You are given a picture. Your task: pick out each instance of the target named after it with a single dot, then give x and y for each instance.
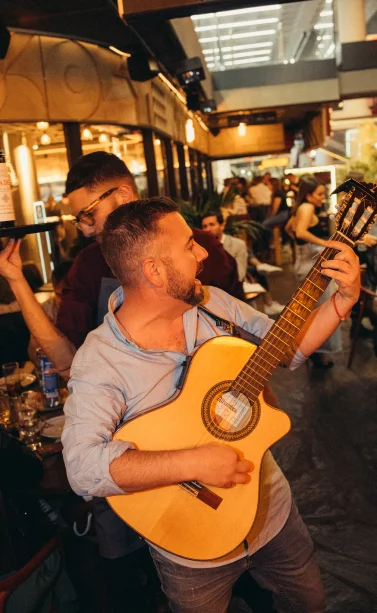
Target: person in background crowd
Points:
(247, 264)
(136, 356)
(279, 213)
(214, 223)
(304, 226)
(260, 194)
(367, 252)
(52, 304)
(96, 185)
(293, 183)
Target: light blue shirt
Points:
(113, 380)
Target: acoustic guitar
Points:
(222, 400)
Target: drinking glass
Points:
(28, 425)
(4, 410)
(11, 372)
(31, 399)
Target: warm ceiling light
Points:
(245, 54)
(35, 146)
(248, 34)
(237, 24)
(157, 141)
(242, 129)
(43, 125)
(190, 131)
(119, 52)
(86, 134)
(103, 138)
(330, 50)
(255, 9)
(322, 26)
(248, 60)
(45, 139)
(251, 46)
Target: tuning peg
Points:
(344, 187)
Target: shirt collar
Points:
(190, 321)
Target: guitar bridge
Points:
(201, 492)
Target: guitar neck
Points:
(255, 374)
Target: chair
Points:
(365, 295)
(11, 584)
(277, 230)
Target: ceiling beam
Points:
(170, 9)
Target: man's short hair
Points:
(127, 235)
(219, 216)
(96, 168)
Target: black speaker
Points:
(207, 106)
(4, 40)
(141, 67)
(193, 100)
(190, 71)
(214, 131)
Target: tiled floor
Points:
(330, 460)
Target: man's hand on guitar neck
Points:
(321, 323)
(345, 269)
(213, 464)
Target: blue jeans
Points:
(286, 566)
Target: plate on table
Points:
(53, 428)
(26, 380)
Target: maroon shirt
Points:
(79, 309)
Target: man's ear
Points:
(153, 272)
(125, 194)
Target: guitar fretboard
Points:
(255, 374)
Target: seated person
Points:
(279, 212)
(213, 222)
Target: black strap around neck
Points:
(231, 328)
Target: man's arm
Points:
(323, 321)
(53, 342)
(97, 465)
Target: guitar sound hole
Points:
(229, 415)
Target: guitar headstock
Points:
(357, 210)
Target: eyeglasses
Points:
(86, 217)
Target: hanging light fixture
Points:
(35, 146)
(45, 139)
(43, 125)
(190, 131)
(103, 138)
(242, 129)
(86, 134)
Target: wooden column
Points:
(72, 137)
(150, 160)
(170, 169)
(182, 172)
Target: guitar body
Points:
(203, 412)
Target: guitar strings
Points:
(251, 367)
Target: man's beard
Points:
(179, 288)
